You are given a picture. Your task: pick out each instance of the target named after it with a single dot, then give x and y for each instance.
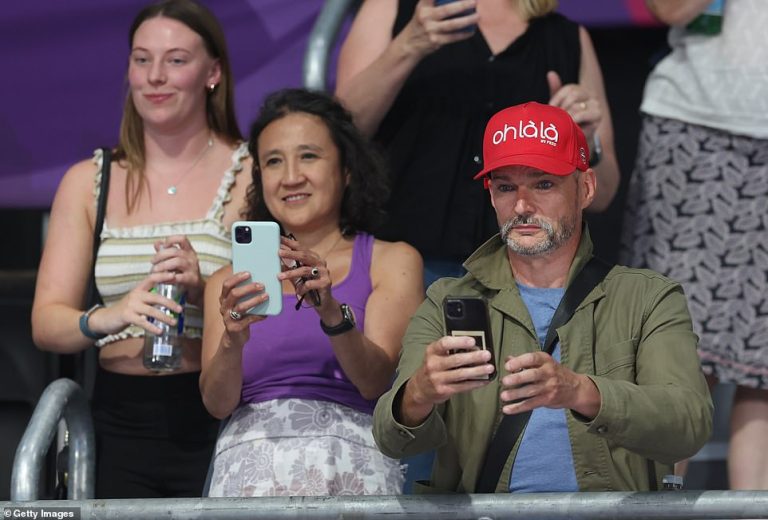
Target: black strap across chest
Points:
(512, 426)
(101, 208)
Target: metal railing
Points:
(552, 506)
(62, 398)
(321, 41)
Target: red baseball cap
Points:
(540, 136)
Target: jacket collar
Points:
(489, 264)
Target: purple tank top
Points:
(289, 356)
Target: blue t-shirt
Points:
(544, 460)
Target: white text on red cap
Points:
(548, 135)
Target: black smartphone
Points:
(470, 28)
(468, 316)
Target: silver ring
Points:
(235, 315)
(315, 272)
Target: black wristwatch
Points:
(347, 322)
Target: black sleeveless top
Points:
(433, 132)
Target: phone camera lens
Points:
(243, 234)
(455, 309)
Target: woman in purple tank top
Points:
(300, 386)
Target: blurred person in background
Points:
(696, 209)
(424, 80)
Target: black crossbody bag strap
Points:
(101, 208)
(512, 426)
(86, 362)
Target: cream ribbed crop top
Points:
(125, 253)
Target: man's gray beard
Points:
(552, 242)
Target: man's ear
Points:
(587, 187)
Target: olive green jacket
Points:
(632, 335)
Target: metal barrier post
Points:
(62, 398)
(321, 40)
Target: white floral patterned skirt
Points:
(301, 447)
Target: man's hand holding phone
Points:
(535, 379)
(452, 365)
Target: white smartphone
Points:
(254, 249)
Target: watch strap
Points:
(347, 322)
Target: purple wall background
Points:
(64, 74)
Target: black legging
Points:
(154, 438)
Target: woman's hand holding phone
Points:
(464, 17)
(307, 272)
(238, 294)
(436, 23)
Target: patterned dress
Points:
(698, 199)
(301, 447)
(697, 211)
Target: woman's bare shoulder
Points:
(78, 183)
(389, 255)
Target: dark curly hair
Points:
(367, 190)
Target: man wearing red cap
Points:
(615, 398)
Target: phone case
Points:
(470, 28)
(471, 321)
(259, 257)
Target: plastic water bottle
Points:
(162, 352)
(710, 22)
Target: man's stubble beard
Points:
(553, 240)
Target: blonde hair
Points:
(219, 104)
(535, 8)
